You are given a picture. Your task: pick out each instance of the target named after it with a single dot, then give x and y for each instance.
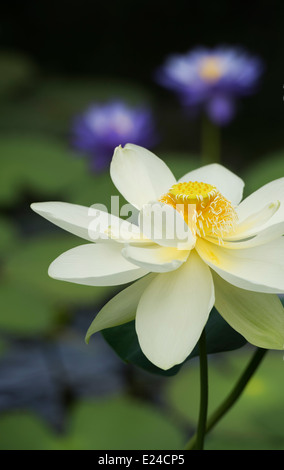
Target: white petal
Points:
(155, 258)
(165, 226)
(95, 265)
(173, 311)
(271, 192)
(260, 268)
(253, 223)
(89, 223)
(258, 221)
(250, 240)
(254, 230)
(139, 175)
(256, 316)
(229, 184)
(71, 217)
(121, 308)
(124, 232)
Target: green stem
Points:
(201, 429)
(211, 142)
(233, 396)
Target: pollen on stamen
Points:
(213, 215)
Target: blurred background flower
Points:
(102, 127)
(212, 79)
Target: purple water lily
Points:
(212, 79)
(102, 127)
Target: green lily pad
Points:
(256, 419)
(21, 430)
(28, 266)
(267, 169)
(53, 102)
(66, 97)
(23, 311)
(17, 71)
(115, 423)
(89, 189)
(41, 165)
(180, 163)
(119, 423)
(93, 188)
(8, 236)
(219, 335)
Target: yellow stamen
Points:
(205, 210)
(191, 192)
(210, 69)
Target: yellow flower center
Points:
(205, 210)
(210, 69)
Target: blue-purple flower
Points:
(102, 127)
(212, 79)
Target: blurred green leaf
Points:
(23, 311)
(65, 97)
(180, 163)
(8, 236)
(110, 424)
(17, 71)
(28, 266)
(267, 169)
(120, 423)
(35, 163)
(24, 116)
(256, 419)
(93, 189)
(53, 103)
(48, 168)
(219, 337)
(23, 431)
(123, 340)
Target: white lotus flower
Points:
(231, 255)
